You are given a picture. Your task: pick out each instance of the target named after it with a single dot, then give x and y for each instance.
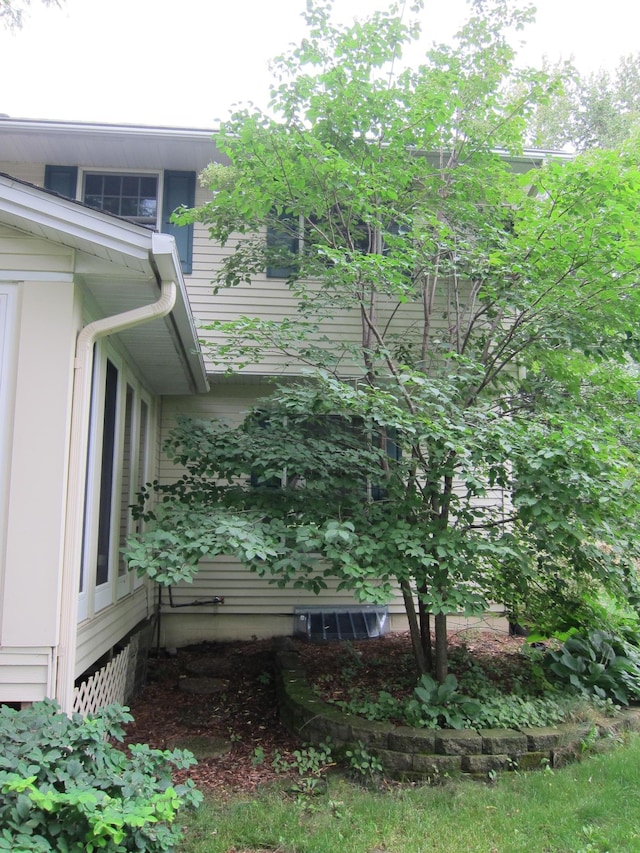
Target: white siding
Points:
(26, 675)
(22, 253)
(38, 456)
(33, 173)
(98, 635)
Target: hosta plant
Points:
(593, 663)
(441, 705)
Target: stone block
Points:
(406, 739)
(335, 726)
(543, 738)
(537, 760)
(437, 766)
(502, 741)
(574, 732)
(288, 661)
(463, 742)
(565, 755)
(372, 733)
(629, 720)
(394, 762)
(482, 765)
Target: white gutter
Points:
(77, 474)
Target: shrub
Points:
(66, 786)
(594, 663)
(442, 706)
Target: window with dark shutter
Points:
(283, 243)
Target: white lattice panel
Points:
(104, 687)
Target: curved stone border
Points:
(412, 754)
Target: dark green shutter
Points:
(179, 189)
(62, 180)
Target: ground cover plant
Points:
(67, 784)
(591, 807)
(495, 682)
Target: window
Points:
(148, 198)
(287, 235)
(106, 473)
(283, 244)
(117, 466)
(132, 196)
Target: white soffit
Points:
(100, 145)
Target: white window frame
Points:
(143, 472)
(98, 170)
(94, 597)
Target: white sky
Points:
(186, 62)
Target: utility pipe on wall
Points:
(78, 449)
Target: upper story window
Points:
(288, 233)
(132, 196)
(146, 198)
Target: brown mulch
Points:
(367, 667)
(243, 709)
(244, 713)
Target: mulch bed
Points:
(242, 707)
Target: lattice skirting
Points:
(106, 686)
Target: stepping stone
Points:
(209, 667)
(203, 686)
(202, 746)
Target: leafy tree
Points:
(465, 430)
(597, 110)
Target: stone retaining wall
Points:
(426, 754)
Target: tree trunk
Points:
(414, 628)
(442, 657)
(425, 632)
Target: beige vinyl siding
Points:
(26, 675)
(33, 173)
(37, 487)
(271, 299)
(97, 635)
(247, 594)
(23, 253)
(252, 605)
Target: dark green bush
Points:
(66, 785)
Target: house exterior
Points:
(101, 304)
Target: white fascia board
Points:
(167, 263)
(54, 218)
(51, 126)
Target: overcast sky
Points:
(186, 62)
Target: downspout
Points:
(79, 441)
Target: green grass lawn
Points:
(591, 806)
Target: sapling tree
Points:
(463, 317)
